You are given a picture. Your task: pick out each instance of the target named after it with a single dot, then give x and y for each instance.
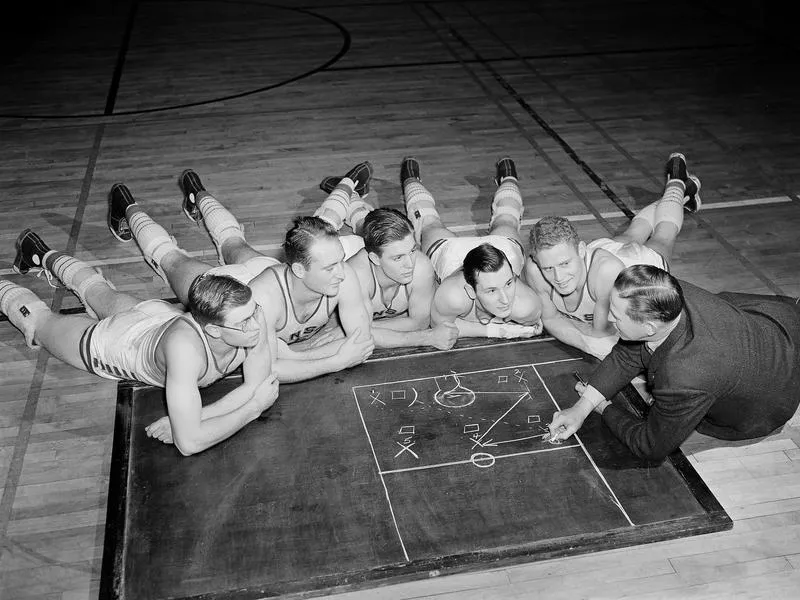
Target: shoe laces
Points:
(51, 279)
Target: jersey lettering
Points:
(303, 334)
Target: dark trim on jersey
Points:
(291, 302)
(435, 246)
(83, 348)
(196, 326)
(377, 290)
(283, 297)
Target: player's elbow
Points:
(188, 447)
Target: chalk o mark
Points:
(482, 460)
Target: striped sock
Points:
(22, 307)
(670, 208)
(220, 222)
(75, 275)
(419, 204)
(152, 238)
(335, 207)
(508, 201)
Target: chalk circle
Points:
(482, 460)
(456, 398)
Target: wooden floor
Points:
(264, 100)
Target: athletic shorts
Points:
(352, 244)
(630, 253)
(447, 254)
(246, 271)
(123, 345)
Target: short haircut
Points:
(483, 259)
(302, 235)
(551, 231)
(652, 293)
(383, 226)
(212, 296)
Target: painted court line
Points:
(269, 248)
(614, 498)
(471, 461)
(548, 362)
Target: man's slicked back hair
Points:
(483, 259)
(652, 293)
(212, 296)
(302, 235)
(383, 226)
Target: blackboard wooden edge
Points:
(112, 572)
(477, 561)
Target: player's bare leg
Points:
(658, 224)
(95, 292)
(127, 220)
(507, 207)
(420, 206)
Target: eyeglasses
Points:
(246, 324)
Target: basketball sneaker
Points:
(409, 169)
(328, 184)
(30, 252)
(504, 167)
(120, 198)
(191, 186)
(676, 167)
(691, 201)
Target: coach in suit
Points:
(725, 364)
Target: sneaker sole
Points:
(697, 200)
(115, 234)
(194, 219)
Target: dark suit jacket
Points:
(730, 369)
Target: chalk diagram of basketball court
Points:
(482, 418)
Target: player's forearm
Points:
(566, 332)
(387, 338)
(290, 371)
(471, 328)
(211, 431)
(231, 401)
(400, 324)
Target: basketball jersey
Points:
(477, 315)
(630, 253)
(293, 330)
(397, 306)
(123, 346)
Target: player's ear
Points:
(582, 249)
(470, 291)
(650, 327)
(373, 258)
(212, 330)
(298, 269)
